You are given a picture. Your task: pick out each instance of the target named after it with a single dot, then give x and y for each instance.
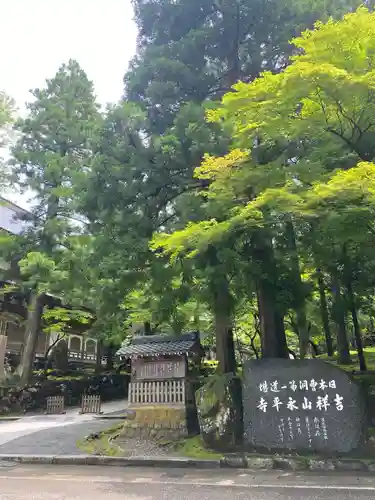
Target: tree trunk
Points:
(271, 321)
(32, 330)
(300, 306)
(314, 348)
(339, 315)
(99, 352)
(109, 363)
(225, 350)
(222, 311)
(147, 328)
(357, 328)
(282, 347)
(225, 354)
(273, 339)
(324, 314)
(48, 351)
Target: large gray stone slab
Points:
(302, 405)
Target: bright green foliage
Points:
(290, 106)
(305, 123)
(185, 223)
(58, 320)
(326, 92)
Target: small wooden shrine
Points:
(159, 368)
(159, 390)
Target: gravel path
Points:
(134, 447)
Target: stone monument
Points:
(302, 405)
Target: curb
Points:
(170, 462)
(229, 462)
(111, 417)
(316, 464)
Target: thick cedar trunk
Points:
(271, 320)
(222, 311)
(273, 339)
(32, 330)
(324, 314)
(223, 327)
(300, 307)
(339, 316)
(225, 350)
(36, 303)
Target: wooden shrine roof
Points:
(160, 345)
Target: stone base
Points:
(156, 421)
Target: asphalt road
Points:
(53, 434)
(27, 482)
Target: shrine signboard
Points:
(301, 405)
(142, 369)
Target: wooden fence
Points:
(55, 405)
(171, 392)
(91, 404)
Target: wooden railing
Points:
(158, 392)
(79, 355)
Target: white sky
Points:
(37, 36)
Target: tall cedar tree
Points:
(194, 52)
(54, 147)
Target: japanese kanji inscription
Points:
(302, 405)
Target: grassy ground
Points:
(193, 447)
(102, 443)
(369, 355)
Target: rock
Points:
(318, 465)
(370, 466)
(302, 405)
(217, 416)
(259, 463)
(350, 465)
(237, 462)
(290, 463)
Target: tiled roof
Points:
(10, 217)
(148, 346)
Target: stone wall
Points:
(157, 421)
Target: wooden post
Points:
(3, 345)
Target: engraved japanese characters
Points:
(301, 405)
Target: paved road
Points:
(112, 483)
(53, 434)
